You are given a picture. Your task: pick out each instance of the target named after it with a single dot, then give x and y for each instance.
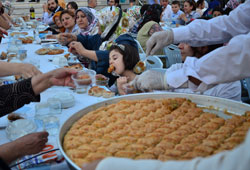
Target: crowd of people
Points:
(213, 42)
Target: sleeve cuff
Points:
(176, 78)
(179, 33)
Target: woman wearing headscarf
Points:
(145, 33)
(86, 21)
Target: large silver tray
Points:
(211, 104)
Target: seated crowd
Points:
(100, 46)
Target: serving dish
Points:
(214, 105)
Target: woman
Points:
(145, 33)
(59, 27)
(189, 12)
(72, 6)
(86, 21)
(68, 21)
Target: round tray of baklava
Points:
(161, 126)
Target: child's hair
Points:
(176, 3)
(218, 9)
(73, 5)
(199, 2)
(130, 55)
(191, 3)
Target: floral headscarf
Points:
(92, 20)
(232, 4)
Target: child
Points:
(176, 12)
(123, 58)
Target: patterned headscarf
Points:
(92, 20)
(232, 4)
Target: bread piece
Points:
(42, 51)
(108, 94)
(55, 51)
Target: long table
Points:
(81, 100)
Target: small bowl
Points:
(101, 80)
(83, 79)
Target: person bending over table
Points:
(14, 96)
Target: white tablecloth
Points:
(81, 100)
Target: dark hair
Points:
(217, 9)
(153, 13)
(191, 3)
(130, 55)
(176, 3)
(144, 8)
(199, 2)
(73, 5)
(67, 12)
(56, 1)
(198, 53)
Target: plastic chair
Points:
(140, 47)
(153, 62)
(172, 55)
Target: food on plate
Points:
(101, 80)
(163, 129)
(75, 66)
(85, 76)
(18, 33)
(100, 92)
(27, 40)
(55, 51)
(67, 56)
(43, 51)
(139, 67)
(3, 56)
(41, 32)
(13, 117)
(111, 69)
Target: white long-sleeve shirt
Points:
(230, 90)
(225, 64)
(48, 18)
(237, 159)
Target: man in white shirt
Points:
(49, 9)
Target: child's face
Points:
(164, 3)
(175, 8)
(216, 13)
(187, 8)
(186, 50)
(116, 59)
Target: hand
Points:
(183, 17)
(150, 80)
(28, 70)
(159, 40)
(45, 7)
(66, 38)
(3, 32)
(120, 82)
(76, 48)
(62, 77)
(31, 144)
(91, 166)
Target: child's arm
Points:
(120, 82)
